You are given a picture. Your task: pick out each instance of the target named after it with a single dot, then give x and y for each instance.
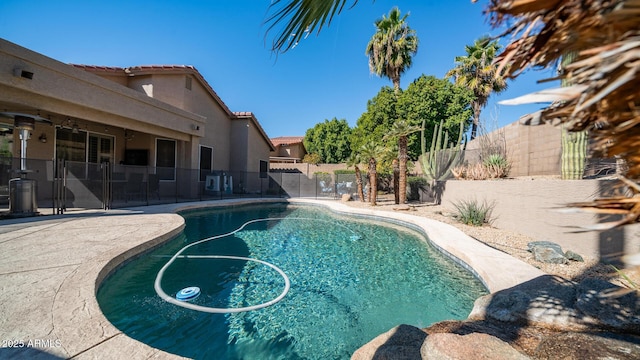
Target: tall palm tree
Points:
(370, 152)
(477, 71)
(355, 160)
(392, 47)
(400, 130)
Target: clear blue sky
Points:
(325, 76)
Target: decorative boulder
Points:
(472, 346)
(547, 252)
(346, 197)
(573, 256)
(401, 342)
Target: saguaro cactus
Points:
(574, 154)
(443, 156)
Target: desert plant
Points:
(574, 154)
(442, 157)
(496, 166)
(472, 212)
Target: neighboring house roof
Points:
(287, 140)
(164, 69)
(249, 115)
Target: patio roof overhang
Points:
(32, 83)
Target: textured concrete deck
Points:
(51, 267)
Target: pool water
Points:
(351, 280)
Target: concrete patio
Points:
(52, 266)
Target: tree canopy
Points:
(434, 100)
(426, 98)
(330, 140)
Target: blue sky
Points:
(325, 76)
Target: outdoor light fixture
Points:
(43, 138)
(75, 128)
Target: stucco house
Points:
(166, 118)
(288, 149)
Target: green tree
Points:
(330, 140)
(432, 101)
(374, 123)
(477, 71)
(400, 131)
(392, 47)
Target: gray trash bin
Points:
(22, 196)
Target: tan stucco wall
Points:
(109, 100)
(257, 149)
(531, 207)
(217, 132)
(63, 89)
(295, 151)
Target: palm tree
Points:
(301, 17)
(400, 130)
(370, 152)
(391, 48)
(477, 71)
(355, 161)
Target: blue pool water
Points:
(351, 280)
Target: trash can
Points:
(22, 197)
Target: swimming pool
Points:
(350, 280)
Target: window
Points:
(166, 159)
(264, 168)
(206, 161)
(71, 146)
(100, 149)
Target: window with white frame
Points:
(166, 159)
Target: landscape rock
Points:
(548, 244)
(547, 300)
(587, 346)
(403, 342)
(573, 256)
(403, 207)
(549, 255)
(547, 252)
(563, 305)
(445, 346)
(346, 197)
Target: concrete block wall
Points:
(532, 150)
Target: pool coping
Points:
(75, 322)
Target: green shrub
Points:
(496, 166)
(344, 172)
(471, 212)
(415, 183)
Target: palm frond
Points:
(300, 17)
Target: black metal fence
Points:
(64, 185)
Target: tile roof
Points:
(287, 140)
